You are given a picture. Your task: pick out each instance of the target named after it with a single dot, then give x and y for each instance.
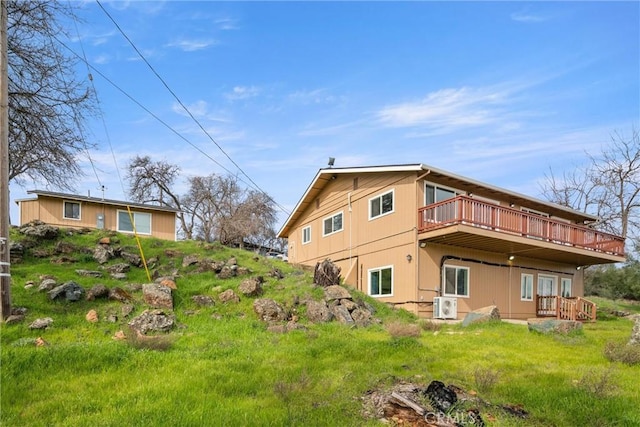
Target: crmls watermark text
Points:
(464, 419)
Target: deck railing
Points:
(574, 308)
(466, 210)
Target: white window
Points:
(142, 222)
(333, 224)
(456, 281)
(381, 205)
(526, 287)
(306, 235)
(435, 193)
(381, 281)
(71, 210)
(565, 288)
(547, 285)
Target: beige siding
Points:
(364, 243)
(493, 280)
(50, 211)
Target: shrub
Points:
(152, 342)
(600, 384)
(428, 325)
(400, 329)
(485, 378)
(623, 353)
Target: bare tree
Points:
(48, 104)
(152, 182)
(608, 186)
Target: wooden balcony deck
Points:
(575, 308)
(504, 220)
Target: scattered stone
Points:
(119, 336)
(29, 284)
(269, 311)
(168, 282)
(102, 254)
(157, 295)
(547, 326)
(336, 292)
(14, 318)
(41, 323)
(63, 247)
(41, 253)
(70, 290)
(152, 321)
(18, 311)
(232, 261)
(635, 332)
(119, 294)
(133, 259)
(243, 271)
(326, 273)
(127, 309)
(40, 342)
(348, 304)
(120, 267)
(251, 287)
(112, 318)
(317, 311)
(92, 316)
(229, 296)
(105, 241)
(483, 314)
(88, 273)
(119, 276)
(189, 260)
(172, 253)
(361, 317)
(133, 287)
(288, 327)
(276, 273)
(341, 314)
(202, 300)
(47, 284)
(226, 273)
(40, 230)
(97, 291)
(16, 252)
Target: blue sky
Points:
(496, 91)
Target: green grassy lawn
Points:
(224, 368)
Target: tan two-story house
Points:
(74, 211)
(442, 245)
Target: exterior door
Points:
(547, 291)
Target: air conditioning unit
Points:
(445, 308)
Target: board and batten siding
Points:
(50, 211)
(363, 244)
(493, 280)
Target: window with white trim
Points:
(435, 193)
(456, 281)
(565, 287)
(142, 222)
(71, 210)
(526, 287)
(332, 224)
(381, 281)
(381, 205)
(306, 235)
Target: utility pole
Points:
(5, 258)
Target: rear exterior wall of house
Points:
(51, 211)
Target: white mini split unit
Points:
(445, 308)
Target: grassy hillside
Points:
(221, 366)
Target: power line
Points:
(253, 183)
(165, 124)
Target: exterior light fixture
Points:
(511, 205)
(423, 244)
(409, 258)
(332, 160)
(579, 267)
(512, 257)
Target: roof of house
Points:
(99, 200)
(325, 175)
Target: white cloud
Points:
(526, 16)
(242, 92)
(192, 45)
(449, 108)
(102, 59)
(316, 96)
(227, 23)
